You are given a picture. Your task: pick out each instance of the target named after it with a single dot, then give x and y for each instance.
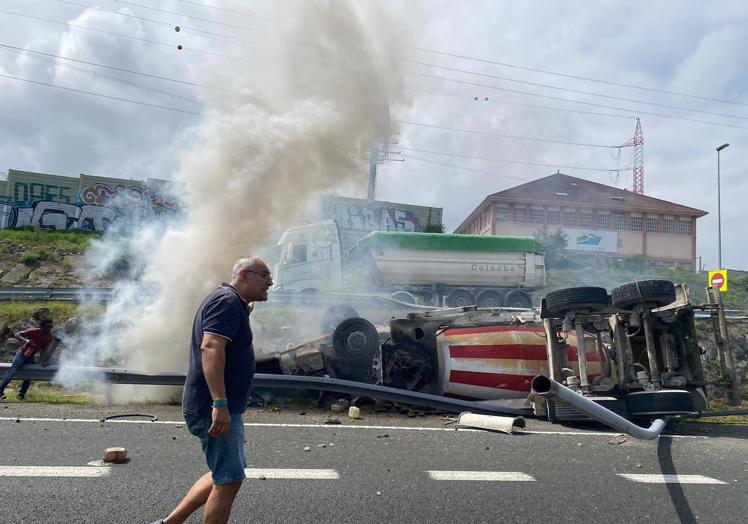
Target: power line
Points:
(574, 101)
(484, 159)
(224, 9)
(152, 21)
(577, 91)
(501, 135)
(534, 106)
(185, 16)
(139, 73)
(91, 93)
(102, 75)
(120, 35)
(589, 79)
(463, 168)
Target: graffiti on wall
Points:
(379, 218)
(64, 216)
(124, 197)
(34, 191)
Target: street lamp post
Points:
(719, 210)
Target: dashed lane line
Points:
(490, 476)
(53, 471)
(341, 426)
(657, 478)
(313, 474)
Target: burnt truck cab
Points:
(633, 351)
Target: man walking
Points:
(217, 389)
(34, 340)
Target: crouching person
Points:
(34, 340)
(217, 388)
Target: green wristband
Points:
(220, 402)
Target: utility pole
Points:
(719, 209)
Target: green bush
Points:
(31, 258)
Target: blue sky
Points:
(685, 47)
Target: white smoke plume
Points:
(316, 94)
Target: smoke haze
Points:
(316, 97)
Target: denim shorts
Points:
(224, 455)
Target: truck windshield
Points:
(296, 253)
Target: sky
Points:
(482, 66)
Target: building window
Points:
(585, 220)
(570, 218)
(553, 217)
(635, 224)
(620, 221)
(652, 224)
(668, 226)
(502, 214)
(536, 216)
(684, 228)
(519, 215)
(603, 221)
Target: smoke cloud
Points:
(312, 98)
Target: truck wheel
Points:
(489, 299)
(518, 299)
(403, 296)
(355, 342)
(460, 298)
(583, 297)
(646, 292)
(662, 402)
(335, 315)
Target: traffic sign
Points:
(718, 279)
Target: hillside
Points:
(42, 258)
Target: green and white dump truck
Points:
(425, 268)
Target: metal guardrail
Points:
(68, 294)
(269, 381)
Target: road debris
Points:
(307, 448)
(332, 421)
(507, 425)
(618, 439)
(115, 455)
(386, 435)
(130, 415)
(354, 413)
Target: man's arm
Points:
(213, 350)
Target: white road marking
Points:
(670, 479)
(53, 471)
(316, 474)
(493, 476)
(339, 426)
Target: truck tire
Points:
(646, 292)
(571, 298)
(662, 402)
(355, 343)
(335, 315)
(460, 298)
(489, 299)
(518, 299)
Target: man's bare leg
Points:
(218, 506)
(195, 497)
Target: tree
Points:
(556, 255)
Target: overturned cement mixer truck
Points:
(639, 355)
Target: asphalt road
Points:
(378, 474)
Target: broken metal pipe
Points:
(545, 387)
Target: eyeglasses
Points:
(264, 274)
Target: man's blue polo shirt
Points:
(223, 313)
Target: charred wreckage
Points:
(639, 356)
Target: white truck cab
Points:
(311, 259)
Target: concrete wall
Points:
(85, 202)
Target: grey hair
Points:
(243, 263)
